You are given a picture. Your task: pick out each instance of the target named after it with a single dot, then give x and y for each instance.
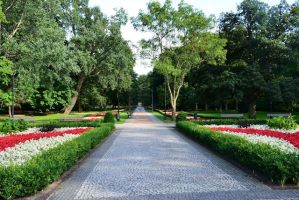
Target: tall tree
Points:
(97, 43)
(183, 39)
(257, 35)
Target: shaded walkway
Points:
(146, 159)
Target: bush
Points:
(278, 166)
(182, 116)
(231, 122)
(45, 168)
(61, 124)
(9, 126)
(287, 123)
(109, 118)
(47, 128)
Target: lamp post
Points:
(13, 95)
(117, 96)
(165, 100)
(152, 100)
(270, 94)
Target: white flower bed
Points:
(261, 127)
(274, 142)
(37, 130)
(23, 152)
(255, 138)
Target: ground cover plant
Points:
(287, 123)
(9, 126)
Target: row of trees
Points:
(252, 58)
(61, 53)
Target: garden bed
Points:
(262, 151)
(29, 161)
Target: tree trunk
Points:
(237, 106)
(220, 108)
(226, 106)
(174, 111)
(196, 107)
(74, 99)
(252, 110)
(9, 112)
(206, 107)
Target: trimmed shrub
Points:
(287, 123)
(61, 124)
(231, 122)
(182, 116)
(45, 168)
(9, 126)
(278, 166)
(109, 118)
(47, 128)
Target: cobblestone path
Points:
(146, 159)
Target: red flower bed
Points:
(293, 138)
(12, 140)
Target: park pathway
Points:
(146, 159)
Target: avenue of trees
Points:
(61, 55)
(257, 69)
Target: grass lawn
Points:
(57, 116)
(123, 116)
(160, 116)
(259, 114)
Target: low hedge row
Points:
(61, 124)
(231, 121)
(45, 168)
(281, 168)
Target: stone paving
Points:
(146, 159)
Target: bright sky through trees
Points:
(133, 6)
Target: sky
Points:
(215, 7)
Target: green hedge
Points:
(45, 168)
(230, 121)
(279, 167)
(60, 124)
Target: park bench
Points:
(270, 115)
(31, 119)
(231, 115)
(71, 118)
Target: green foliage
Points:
(182, 116)
(60, 124)
(185, 26)
(231, 121)
(9, 126)
(109, 118)
(45, 168)
(2, 15)
(279, 167)
(287, 123)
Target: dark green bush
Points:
(278, 166)
(231, 122)
(109, 118)
(47, 128)
(287, 123)
(60, 124)
(45, 168)
(182, 116)
(9, 126)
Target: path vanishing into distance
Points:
(147, 159)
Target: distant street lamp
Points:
(13, 95)
(117, 96)
(165, 100)
(152, 100)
